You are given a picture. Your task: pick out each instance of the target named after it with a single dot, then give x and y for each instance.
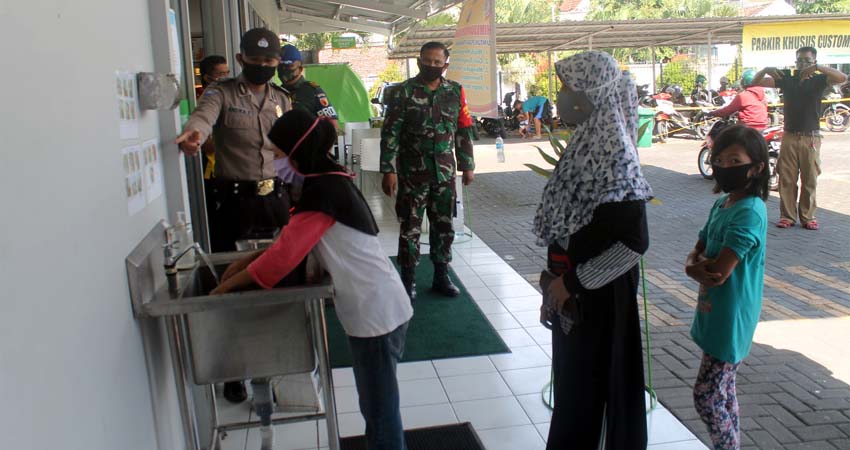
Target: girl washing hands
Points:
(728, 263)
(333, 221)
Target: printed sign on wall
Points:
(775, 44)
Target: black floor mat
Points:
(459, 436)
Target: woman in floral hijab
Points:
(592, 217)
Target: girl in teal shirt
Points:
(728, 263)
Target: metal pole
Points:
(654, 87)
(320, 337)
(590, 42)
(549, 71)
(187, 408)
(710, 51)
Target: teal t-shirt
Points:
(533, 103)
(727, 315)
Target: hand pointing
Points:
(189, 142)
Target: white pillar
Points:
(710, 51)
(652, 50)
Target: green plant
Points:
(559, 149)
(681, 73)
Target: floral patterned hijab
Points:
(600, 164)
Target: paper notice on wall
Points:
(134, 181)
(473, 60)
(128, 105)
(152, 170)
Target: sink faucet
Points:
(171, 255)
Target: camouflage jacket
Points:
(422, 128)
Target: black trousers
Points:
(233, 217)
(599, 370)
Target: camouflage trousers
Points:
(413, 200)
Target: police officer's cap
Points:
(260, 42)
(289, 54)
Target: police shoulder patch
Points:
(279, 88)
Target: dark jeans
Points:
(374, 362)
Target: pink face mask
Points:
(298, 144)
(286, 172)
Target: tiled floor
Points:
(499, 394)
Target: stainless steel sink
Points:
(249, 334)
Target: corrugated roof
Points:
(373, 16)
(574, 35)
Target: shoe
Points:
(234, 392)
(784, 223)
(442, 284)
(811, 225)
(408, 279)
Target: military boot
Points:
(442, 284)
(408, 279)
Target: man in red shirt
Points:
(749, 104)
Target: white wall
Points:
(73, 373)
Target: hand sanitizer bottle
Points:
(183, 233)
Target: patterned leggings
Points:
(716, 402)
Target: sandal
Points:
(785, 223)
(811, 225)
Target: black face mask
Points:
(574, 107)
(258, 74)
(732, 178)
(430, 73)
(287, 75)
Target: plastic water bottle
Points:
(500, 149)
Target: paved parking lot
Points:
(794, 388)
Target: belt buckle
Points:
(265, 187)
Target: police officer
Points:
(304, 94)
(427, 118)
(238, 113)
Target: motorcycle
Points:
(507, 120)
(773, 136)
(837, 115)
(669, 122)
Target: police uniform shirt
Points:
(308, 95)
(239, 122)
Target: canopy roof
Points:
(573, 35)
(372, 16)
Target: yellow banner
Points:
(775, 44)
(473, 60)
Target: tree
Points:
(524, 11)
(313, 41)
(655, 9)
(822, 6)
(681, 73)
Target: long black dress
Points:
(598, 366)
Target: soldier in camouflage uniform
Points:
(427, 118)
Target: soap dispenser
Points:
(183, 234)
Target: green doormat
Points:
(459, 436)
(441, 327)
